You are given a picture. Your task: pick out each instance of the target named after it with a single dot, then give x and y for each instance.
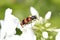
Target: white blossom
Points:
(27, 33)
(42, 20)
(45, 35)
(9, 25)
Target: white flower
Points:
(27, 33)
(42, 20)
(9, 25)
(45, 35)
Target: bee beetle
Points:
(27, 20)
(34, 14)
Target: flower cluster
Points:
(43, 28)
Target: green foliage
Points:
(18, 31)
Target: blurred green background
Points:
(21, 9)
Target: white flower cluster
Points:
(47, 24)
(42, 20)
